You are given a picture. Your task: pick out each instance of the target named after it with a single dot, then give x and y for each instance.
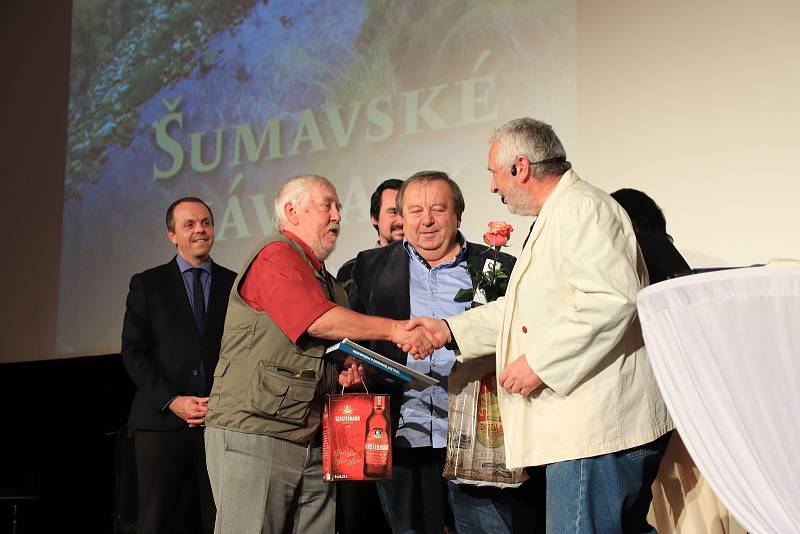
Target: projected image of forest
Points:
(224, 100)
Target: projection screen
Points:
(224, 100)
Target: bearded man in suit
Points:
(170, 346)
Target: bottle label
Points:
(490, 427)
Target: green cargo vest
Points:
(258, 387)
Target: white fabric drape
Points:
(725, 349)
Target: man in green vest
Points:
(263, 442)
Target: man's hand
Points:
(352, 374)
(518, 377)
(414, 340)
(193, 410)
(436, 331)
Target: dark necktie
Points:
(199, 301)
(529, 233)
(199, 309)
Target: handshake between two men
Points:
(420, 336)
(409, 336)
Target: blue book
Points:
(390, 371)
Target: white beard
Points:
(321, 250)
(517, 203)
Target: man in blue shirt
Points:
(420, 276)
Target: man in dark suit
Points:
(421, 275)
(170, 345)
(386, 221)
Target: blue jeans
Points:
(477, 510)
(414, 501)
(605, 494)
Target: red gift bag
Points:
(356, 437)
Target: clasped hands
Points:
(191, 409)
(418, 337)
(421, 336)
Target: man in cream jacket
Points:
(577, 390)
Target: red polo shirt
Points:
(281, 284)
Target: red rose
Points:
(498, 234)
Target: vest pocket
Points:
(235, 340)
(222, 366)
(276, 394)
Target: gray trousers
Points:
(266, 485)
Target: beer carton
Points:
(356, 437)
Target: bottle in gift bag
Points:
(376, 442)
(490, 426)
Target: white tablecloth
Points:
(725, 349)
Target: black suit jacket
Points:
(161, 347)
(380, 287)
(661, 257)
